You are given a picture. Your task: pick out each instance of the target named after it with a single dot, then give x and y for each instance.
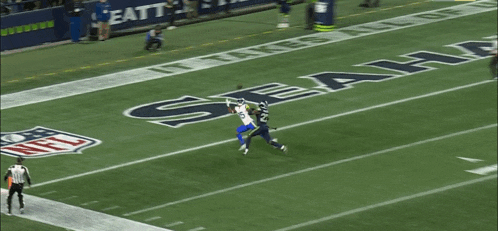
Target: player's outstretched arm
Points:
(228, 106)
(253, 111)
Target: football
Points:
(239, 86)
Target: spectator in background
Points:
(53, 3)
(310, 15)
(6, 9)
(29, 5)
(227, 6)
(191, 7)
(367, 3)
(74, 9)
(284, 16)
(214, 6)
(154, 36)
(170, 7)
(103, 12)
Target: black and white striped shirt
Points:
(18, 172)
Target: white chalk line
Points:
(280, 129)
(389, 202)
(310, 169)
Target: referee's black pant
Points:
(15, 188)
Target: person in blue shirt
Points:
(154, 36)
(262, 117)
(103, 12)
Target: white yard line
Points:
(310, 169)
(174, 224)
(484, 170)
(279, 129)
(390, 202)
(67, 198)
(111, 208)
(139, 75)
(47, 193)
(72, 217)
(90, 203)
(152, 219)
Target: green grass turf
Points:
(75, 61)
(13, 223)
(296, 199)
(476, 211)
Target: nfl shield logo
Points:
(42, 142)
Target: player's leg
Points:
(256, 131)
(271, 141)
(248, 142)
(148, 42)
(241, 129)
(274, 143)
(265, 133)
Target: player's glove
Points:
(228, 102)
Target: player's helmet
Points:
(241, 101)
(263, 104)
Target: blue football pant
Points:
(263, 132)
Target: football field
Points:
(390, 123)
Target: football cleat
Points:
(21, 210)
(242, 147)
(284, 149)
(274, 140)
(246, 151)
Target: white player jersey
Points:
(244, 114)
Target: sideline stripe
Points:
(310, 169)
(72, 217)
(137, 75)
(280, 129)
(394, 201)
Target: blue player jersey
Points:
(263, 116)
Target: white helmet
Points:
(241, 101)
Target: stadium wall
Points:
(53, 24)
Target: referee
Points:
(17, 172)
